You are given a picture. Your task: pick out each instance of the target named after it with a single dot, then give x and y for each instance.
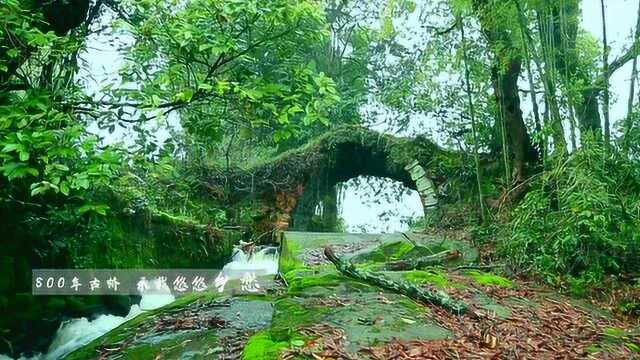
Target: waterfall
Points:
(75, 333)
(263, 262)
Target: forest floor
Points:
(321, 314)
(520, 320)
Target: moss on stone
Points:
(136, 242)
(288, 260)
(143, 351)
(434, 278)
(413, 306)
(301, 281)
(386, 252)
(261, 346)
(490, 279)
(127, 329)
(288, 315)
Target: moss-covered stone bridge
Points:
(336, 156)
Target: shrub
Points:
(581, 220)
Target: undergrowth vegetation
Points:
(581, 220)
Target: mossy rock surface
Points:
(367, 315)
(400, 248)
(319, 300)
(370, 248)
(316, 294)
(193, 327)
(261, 346)
(431, 277)
(489, 279)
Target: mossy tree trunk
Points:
(505, 71)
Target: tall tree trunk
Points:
(566, 61)
(564, 33)
(527, 53)
(634, 69)
(634, 75)
(632, 85)
(473, 120)
(588, 113)
(507, 64)
(605, 70)
(572, 125)
(548, 78)
(505, 86)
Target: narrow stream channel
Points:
(76, 333)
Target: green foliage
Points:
(46, 157)
(581, 219)
(631, 129)
(241, 59)
(301, 280)
(388, 251)
(50, 150)
(19, 25)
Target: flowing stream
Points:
(76, 333)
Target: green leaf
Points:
(60, 167)
(184, 96)
(13, 53)
(16, 170)
(222, 87)
(64, 188)
(38, 190)
(295, 109)
(253, 94)
(155, 100)
(11, 147)
(297, 343)
(100, 209)
(633, 347)
(387, 27)
(283, 118)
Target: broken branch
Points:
(433, 297)
(430, 260)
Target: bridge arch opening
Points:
(362, 204)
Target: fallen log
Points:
(433, 297)
(421, 262)
(477, 267)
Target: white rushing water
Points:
(76, 333)
(262, 262)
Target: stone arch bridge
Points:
(336, 156)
